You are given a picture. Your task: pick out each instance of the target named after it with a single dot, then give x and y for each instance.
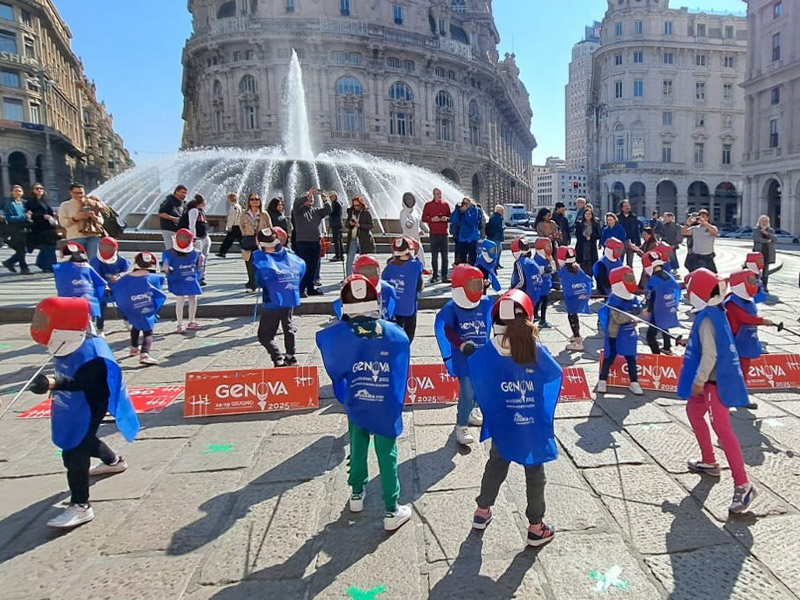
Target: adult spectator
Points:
(276, 215)
(335, 220)
(587, 240)
(359, 232)
(436, 214)
(649, 243)
(194, 219)
(43, 234)
(764, 241)
(495, 230)
(630, 223)
(702, 234)
(657, 226)
(307, 222)
(15, 231)
(546, 227)
(80, 217)
(468, 218)
(254, 219)
(581, 204)
(170, 213)
(612, 229)
(673, 236)
(560, 219)
(234, 231)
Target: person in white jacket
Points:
(410, 220)
(232, 225)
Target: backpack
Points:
(112, 222)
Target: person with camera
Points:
(468, 217)
(702, 234)
(307, 221)
(436, 215)
(81, 217)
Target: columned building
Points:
(668, 109)
(419, 81)
(45, 97)
(578, 94)
(772, 90)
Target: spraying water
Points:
(297, 134)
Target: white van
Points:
(516, 215)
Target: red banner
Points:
(431, 384)
(656, 372)
(772, 371)
(575, 387)
(250, 391)
(144, 399)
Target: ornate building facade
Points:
(668, 109)
(46, 101)
(772, 89)
(419, 81)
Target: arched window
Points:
(227, 10)
(400, 91)
(458, 6)
(474, 124)
(444, 129)
(216, 89)
(349, 85)
(250, 116)
(444, 100)
(248, 85)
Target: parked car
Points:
(742, 233)
(786, 237)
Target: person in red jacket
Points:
(436, 214)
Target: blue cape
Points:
(79, 280)
(532, 277)
(746, 339)
(471, 325)
(761, 295)
(388, 302)
(183, 278)
(610, 266)
(627, 336)
(122, 265)
(546, 278)
(518, 403)
(405, 279)
(730, 379)
(369, 374)
(279, 274)
(71, 415)
(577, 291)
(139, 298)
(668, 298)
(493, 250)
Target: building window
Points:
(666, 119)
(33, 84)
(10, 79)
(398, 14)
(619, 149)
(618, 29)
(401, 92)
(350, 118)
(440, 72)
(474, 124)
(218, 120)
(669, 58)
(638, 27)
(701, 30)
(777, 10)
(775, 96)
(237, 56)
(251, 54)
(700, 90)
(25, 18)
(729, 31)
(344, 8)
(12, 109)
(392, 62)
(638, 57)
(8, 42)
(401, 123)
(699, 120)
(776, 46)
(638, 88)
(727, 121)
(289, 6)
(699, 153)
(248, 85)
(458, 6)
(617, 89)
(617, 59)
(730, 62)
(666, 152)
(408, 65)
(667, 27)
(667, 85)
(700, 60)
(349, 85)
(36, 116)
(773, 133)
(727, 92)
(250, 117)
(30, 51)
(444, 101)
(727, 150)
(444, 130)
(6, 12)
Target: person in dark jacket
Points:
(307, 220)
(657, 225)
(336, 227)
(170, 212)
(673, 236)
(468, 217)
(587, 240)
(560, 219)
(42, 236)
(764, 241)
(495, 230)
(16, 231)
(359, 223)
(630, 223)
(276, 216)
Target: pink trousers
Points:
(696, 409)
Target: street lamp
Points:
(49, 173)
(597, 111)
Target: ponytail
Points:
(520, 336)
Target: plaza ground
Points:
(267, 517)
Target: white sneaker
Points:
(72, 516)
(133, 351)
(463, 436)
(146, 359)
(103, 469)
(101, 334)
(635, 388)
(476, 417)
(743, 496)
(575, 345)
(357, 501)
(394, 520)
(601, 387)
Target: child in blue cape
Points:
(367, 360)
(611, 259)
(368, 266)
(279, 273)
(517, 383)
(543, 257)
(577, 288)
(742, 313)
(526, 275)
(110, 266)
(488, 261)
(404, 272)
(75, 278)
(755, 264)
(462, 327)
(619, 330)
(663, 296)
(139, 296)
(183, 266)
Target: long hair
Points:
(543, 212)
(520, 336)
(195, 202)
(256, 197)
(273, 206)
(758, 221)
(31, 197)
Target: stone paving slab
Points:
(24, 500)
(435, 415)
(442, 464)
(596, 442)
(631, 410)
(774, 542)
(578, 410)
(779, 471)
(514, 578)
(220, 446)
(669, 444)
(293, 458)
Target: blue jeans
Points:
(673, 261)
(466, 401)
(91, 244)
(18, 257)
(46, 257)
(352, 250)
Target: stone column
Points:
(683, 206)
(31, 176)
(6, 181)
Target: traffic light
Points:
(575, 185)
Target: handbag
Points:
(248, 243)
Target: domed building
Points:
(418, 81)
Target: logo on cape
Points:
(520, 419)
(366, 396)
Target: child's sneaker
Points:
(278, 364)
(635, 388)
(710, 469)
(392, 521)
(540, 539)
(463, 436)
(481, 520)
(743, 496)
(72, 516)
(147, 360)
(544, 324)
(476, 417)
(601, 387)
(103, 469)
(180, 329)
(575, 345)
(357, 501)
(133, 351)
(194, 325)
(290, 361)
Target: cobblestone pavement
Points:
(268, 518)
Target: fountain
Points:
(288, 171)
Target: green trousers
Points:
(386, 451)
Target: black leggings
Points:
(409, 325)
(78, 460)
(147, 339)
(652, 333)
(609, 360)
(575, 324)
(540, 309)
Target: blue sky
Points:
(132, 49)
